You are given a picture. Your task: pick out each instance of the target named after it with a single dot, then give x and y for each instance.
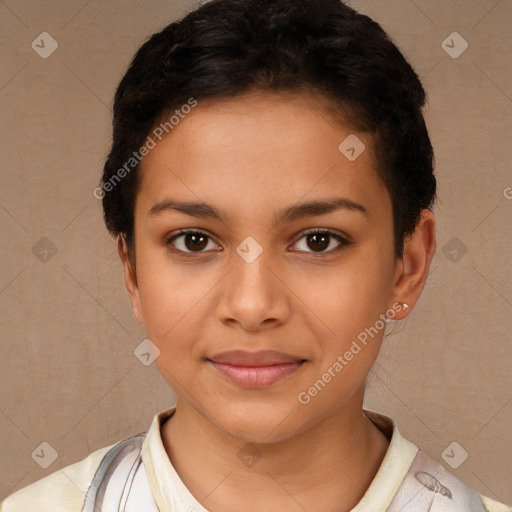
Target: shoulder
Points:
(63, 490)
(447, 485)
(494, 506)
(427, 481)
(410, 478)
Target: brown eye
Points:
(318, 241)
(190, 241)
(195, 241)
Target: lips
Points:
(261, 358)
(254, 370)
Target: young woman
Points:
(270, 185)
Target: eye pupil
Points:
(320, 241)
(195, 241)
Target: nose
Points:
(253, 296)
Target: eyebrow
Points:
(201, 209)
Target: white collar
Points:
(171, 494)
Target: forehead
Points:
(255, 152)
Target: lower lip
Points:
(256, 377)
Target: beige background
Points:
(68, 375)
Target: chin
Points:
(258, 424)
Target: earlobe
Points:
(130, 278)
(419, 250)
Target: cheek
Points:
(175, 298)
(347, 298)
(173, 309)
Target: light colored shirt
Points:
(399, 481)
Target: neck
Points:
(327, 467)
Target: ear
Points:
(130, 278)
(412, 270)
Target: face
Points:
(252, 275)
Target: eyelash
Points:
(343, 242)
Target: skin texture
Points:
(252, 156)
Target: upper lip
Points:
(260, 358)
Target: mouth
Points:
(256, 370)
